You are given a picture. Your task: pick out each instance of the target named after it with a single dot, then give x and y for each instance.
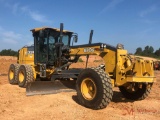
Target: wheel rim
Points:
(21, 76)
(88, 89)
(11, 74)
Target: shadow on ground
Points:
(117, 97)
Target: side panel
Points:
(121, 65)
(26, 56)
(110, 62)
(107, 53)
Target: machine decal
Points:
(30, 52)
(88, 49)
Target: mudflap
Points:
(50, 87)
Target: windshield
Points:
(65, 39)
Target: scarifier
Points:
(45, 68)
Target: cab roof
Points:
(54, 29)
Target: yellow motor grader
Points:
(53, 53)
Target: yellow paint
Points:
(54, 29)
(140, 79)
(11, 74)
(88, 89)
(21, 76)
(24, 57)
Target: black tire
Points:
(102, 84)
(25, 75)
(101, 66)
(138, 94)
(12, 73)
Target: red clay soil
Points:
(5, 62)
(15, 105)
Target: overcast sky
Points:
(134, 23)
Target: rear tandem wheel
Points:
(12, 73)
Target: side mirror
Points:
(75, 38)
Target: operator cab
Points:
(47, 42)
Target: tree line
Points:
(8, 52)
(148, 51)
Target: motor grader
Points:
(53, 53)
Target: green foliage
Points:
(148, 51)
(80, 60)
(138, 51)
(157, 52)
(8, 52)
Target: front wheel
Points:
(94, 88)
(136, 91)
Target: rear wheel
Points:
(136, 91)
(25, 75)
(12, 73)
(94, 88)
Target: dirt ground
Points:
(15, 105)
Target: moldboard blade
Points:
(49, 87)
